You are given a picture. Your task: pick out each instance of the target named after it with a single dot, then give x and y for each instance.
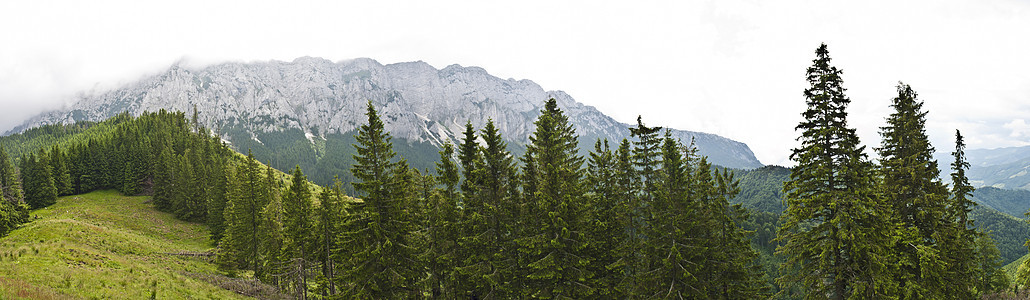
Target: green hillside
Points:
(1012, 202)
(761, 189)
(1010, 233)
(103, 245)
(63, 135)
(1013, 267)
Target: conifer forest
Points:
(640, 218)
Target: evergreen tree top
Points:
(643, 131)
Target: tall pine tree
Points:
(301, 241)
(605, 229)
(249, 196)
(647, 155)
(918, 199)
(837, 235)
(10, 185)
(470, 158)
(443, 229)
(628, 251)
(381, 262)
(489, 250)
(973, 255)
(216, 200)
(330, 216)
(674, 244)
(38, 180)
(62, 178)
(557, 266)
(13, 210)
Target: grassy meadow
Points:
(103, 245)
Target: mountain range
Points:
(309, 102)
(1005, 168)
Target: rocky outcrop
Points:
(416, 101)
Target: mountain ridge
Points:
(419, 103)
(1005, 167)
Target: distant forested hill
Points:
(1005, 168)
(1000, 211)
(1012, 202)
(33, 139)
(761, 189)
(1010, 233)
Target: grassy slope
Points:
(103, 245)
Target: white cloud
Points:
(734, 68)
(1019, 128)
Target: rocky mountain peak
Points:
(418, 102)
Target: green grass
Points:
(103, 245)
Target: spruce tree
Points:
(199, 179)
(164, 183)
(62, 178)
(974, 262)
(75, 167)
(447, 172)
(988, 275)
(471, 219)
(381, 262)
(10, 186)
(470, 158)
(961, 190)
(605, 228)
(647, 157)
(130, 181)
(216, 166)
(300, 240)
(918, 199)
(729, 267)
(330, 215)
(674, 243)
(28, 178)
(249, 196)
(48, 194)
(88, 179)
(38, 181)
(13, 210)
(184, 202)
(276, 266)
(628, 251)
(443, 228)
(271, 231)
(216, 201)
(836, 234)
(487, 246)
(555, 250)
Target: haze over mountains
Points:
(319, 98)
(1005, 168)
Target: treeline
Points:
(857, 229)
(647, 219)
(1010, 233)
(159, 153)
(63, 135)
(13, 210)
(38, 168)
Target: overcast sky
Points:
(733, 68)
